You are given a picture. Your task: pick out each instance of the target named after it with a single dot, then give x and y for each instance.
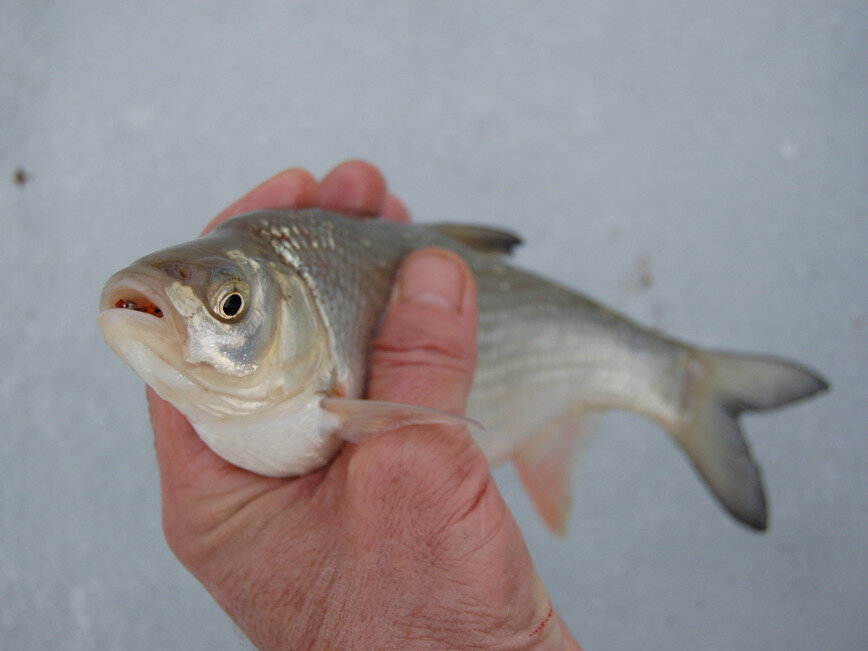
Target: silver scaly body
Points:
(543, 349)
(259, 391)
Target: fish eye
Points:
(230, 302)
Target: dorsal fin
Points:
(481, 238)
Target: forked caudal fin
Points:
(720, 387)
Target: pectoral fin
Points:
(361, 419)
(545, 465)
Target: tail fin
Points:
(721, 386)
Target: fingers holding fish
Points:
(354, 187)
(430, 487)
(175, 440)
(357, 188)
(188, 469)
(425, 354)
(185, 462)
(291, 188)
(394, 210)
(425, 351)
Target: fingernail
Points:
(432, 279)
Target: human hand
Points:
(402, 540)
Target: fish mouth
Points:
(139, 322)
(134, 302)
(133, 298)
(131, 293)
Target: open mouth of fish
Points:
(147, 307)
(130, 294)
(139, 305)
(133, 300)
(136, 312)
(135, 322)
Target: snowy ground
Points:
(700, 166)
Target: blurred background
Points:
(702, 167)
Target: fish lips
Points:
(133, 303)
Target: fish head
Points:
(215, 327)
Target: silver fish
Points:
(259, 334)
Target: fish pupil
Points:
(232, 304)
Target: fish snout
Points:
(140, 287)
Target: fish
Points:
(259, 333)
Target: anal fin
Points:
(545, 464)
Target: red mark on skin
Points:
(542, 625)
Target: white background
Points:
(718, 149)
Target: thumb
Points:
(424, 355)
(425, 352)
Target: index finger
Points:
(292, 188)
(357, 188)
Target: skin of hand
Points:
(401, 541)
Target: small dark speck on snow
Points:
(21, 177)
(641, 278)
